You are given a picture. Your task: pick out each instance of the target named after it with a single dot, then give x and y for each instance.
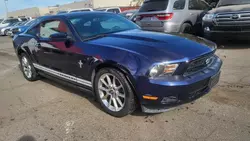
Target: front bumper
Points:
(213, 31)
(177, 90)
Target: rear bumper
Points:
(179, 90)
(167, 27)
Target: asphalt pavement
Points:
(47, 111)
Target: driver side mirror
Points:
(59, 37)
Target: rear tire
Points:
(5, 33)
(186, 28)
(27, 68)
(114, 92)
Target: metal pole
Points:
(6, 7)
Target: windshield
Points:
(154, 5)
(232, 2)
(1, 20)
(29, 23)
(10, 21)
(62, 12)
(92, 25)
(82, 10)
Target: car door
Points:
(53, 54)
(194, 10)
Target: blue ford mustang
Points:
(124, 66)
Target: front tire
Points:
(114, 92)
(27, 68)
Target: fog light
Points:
(207, 29)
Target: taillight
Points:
(163, 16)
(167, 16)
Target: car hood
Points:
(158, 46)
(228, 9)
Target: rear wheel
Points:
(5, 32)
(114, 92)
(186, 28)
(27, 68)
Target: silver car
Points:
(172, 15)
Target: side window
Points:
(51, 27)
(193, 5)
(179, 4)
(110, 10)
(114, 10)
(117, 11)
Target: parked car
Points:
(129, 13)
(172, 15)
(230, 19)
(123, 65)
(5, 30)
(116, 10)
(10, 21)
(75, 10)
(20, 29)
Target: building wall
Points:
(31, 12)
(76, 5)
(110, 3)
(35, 11)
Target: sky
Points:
(21, 4)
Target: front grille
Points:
(239, 19)
(199, 64)
(231, 28)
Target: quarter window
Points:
(197, 5)
(179, 4)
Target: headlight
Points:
(208, 17)
(162, 69)
(19, 29)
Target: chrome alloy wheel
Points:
(26, 67)
(111, 92)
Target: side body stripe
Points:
(63, 75)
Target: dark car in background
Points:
(123, 65)
(183, 16)
(230, 19)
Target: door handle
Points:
(191, 13)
